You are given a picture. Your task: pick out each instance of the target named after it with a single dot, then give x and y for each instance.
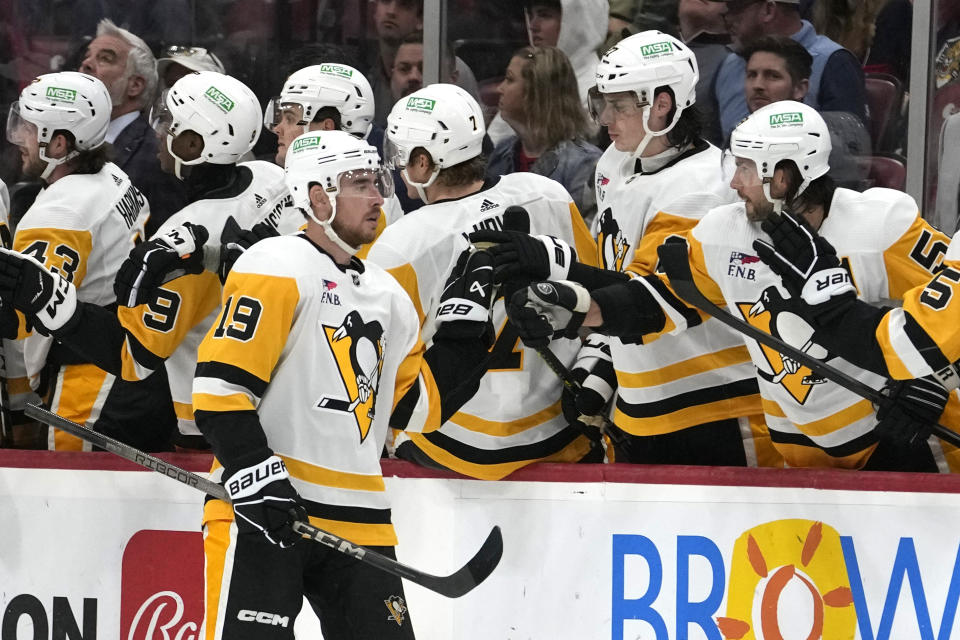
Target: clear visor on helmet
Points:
(604, 107)
(743, 169)
(279, 110)
(366, 183)
(160, 117)
(19, 130)
(394, 156)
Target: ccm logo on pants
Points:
(263, 617)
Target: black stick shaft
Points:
(453, 586)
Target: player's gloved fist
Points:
(545, 310)
(159, 260)
(517, 255)
(265, 502)
(464, 309)
(48, 300)
(597, 380)
(914, 406)
(234, 241)
(806, 262)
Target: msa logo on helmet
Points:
(421, 104)
(263, 617)
(336, 70)
(306, 143)
(66, 95)
(220, 99)
(656, 49)
(789, 119)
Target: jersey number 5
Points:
(937, 294)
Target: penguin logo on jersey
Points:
(611, 242)
(397, 608)
(774, 314)
(357, 348)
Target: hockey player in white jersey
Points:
(81, 226)
(434, 135)
(323, 97)
(211, 121)
(690, 398)
(779, 160)
(313, 351)
(916, 345)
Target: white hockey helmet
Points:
(443, 119)
(784, 130)
(217, 107)
(64, 101)
(641, 64)
(326, 158)
(326, 85)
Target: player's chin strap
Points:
(650, 135)
(327, 226)
(422, 186)
(53, 163)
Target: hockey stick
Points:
(675, 261)
(478, 569)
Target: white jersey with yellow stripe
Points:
(703, 374)
(82, 226)
(888, 249)
(515, 417)
(169, 328)
(322, 353)
(14, 369)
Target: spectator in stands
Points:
(178, 61)
(125, 64)
(702, 29)
(778, 68)
(576, 27)
(539, 100)
(890, 52)
(394, 21)
(407, 73)
(836, 80)
(619, 23)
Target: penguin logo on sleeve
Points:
(357, 348)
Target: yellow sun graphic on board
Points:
(788, 579)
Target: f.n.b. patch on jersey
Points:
(357, 348)
(327, 296)
(743, 265)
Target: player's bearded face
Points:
(358, 207)
(33, 166)
(748, 185)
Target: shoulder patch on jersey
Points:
(116, 179)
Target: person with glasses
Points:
(836, 78)
(125, 64)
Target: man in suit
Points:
(125, 64)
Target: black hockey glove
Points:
(807, 264)
(163, 258)
(48, 300)
(517, 255)
(915, 405)
(594, 372)
(265, 502)
(545, 310)
(234, 241)
(464, 309)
